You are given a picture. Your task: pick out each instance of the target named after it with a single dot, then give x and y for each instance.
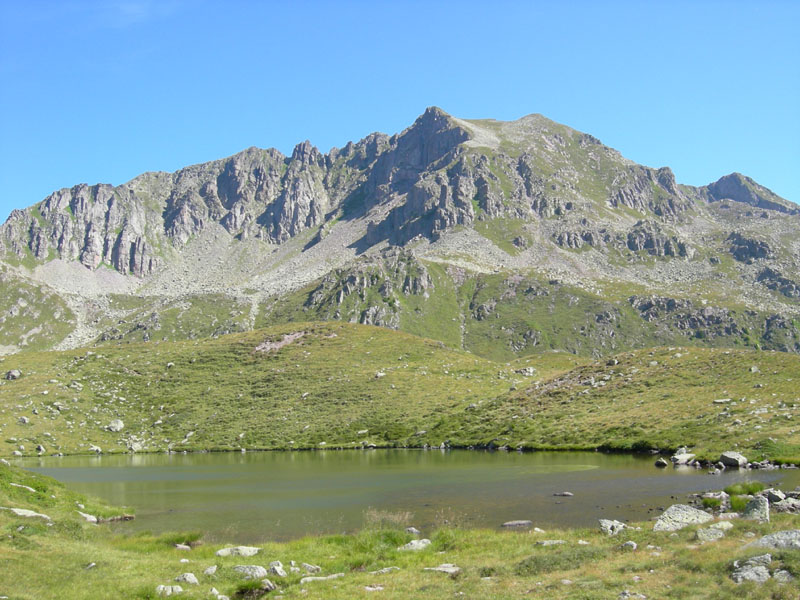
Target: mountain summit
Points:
(438, 211)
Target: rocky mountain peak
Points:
(740, 188)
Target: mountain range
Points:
(502, 238)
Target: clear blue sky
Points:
(102, 91)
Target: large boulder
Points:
(757, 509)
(679, 516)
(733, 459)
(788, 539)
(789, 505)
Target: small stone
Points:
(384, 570)
(710, 534)
(722, 525)
(268, 586)
(661, 462)
(210, 570)
(87, 517)
(782, 576)
(629, 545)
(276, 568)
(311, 569)
(115, 425)
(448, 568)
(373, 588)
(564, 494)
(187, 578)
(182, 547)
(169, 590)
(416, 545)
(550, 542)
(305, 580)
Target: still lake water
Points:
(280, 495)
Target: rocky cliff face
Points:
(425, 181)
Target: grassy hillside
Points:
(661, 398)
(329, 385)
(63, 557)
(343, 385)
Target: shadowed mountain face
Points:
(460, 201)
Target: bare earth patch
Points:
(285, 341)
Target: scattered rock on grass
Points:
(710, 534)
(187, 578)
(210, 570)
(238, 551)
(611, 527)
(251, 571)
(416, 544)
(448, 568)
(24, 512)
(305, 580)
(757, 509)
(169, 590)
(788, 539)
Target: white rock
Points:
(251, 571)
(87, 517)
(305, 580)
(416, 544)
(187, 578)
(210, 570)
(239, 551)
(169, 590)
(115, 425)
(24, 512)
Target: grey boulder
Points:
(733, 459)
(679, 516)
(251, 571)
(757, 509)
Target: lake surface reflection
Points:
(280, 495)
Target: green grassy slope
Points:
(31, 316)
(344, 385)
(660, 398)
(327, 386)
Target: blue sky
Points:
(102, 91)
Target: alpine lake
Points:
(261, 496)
